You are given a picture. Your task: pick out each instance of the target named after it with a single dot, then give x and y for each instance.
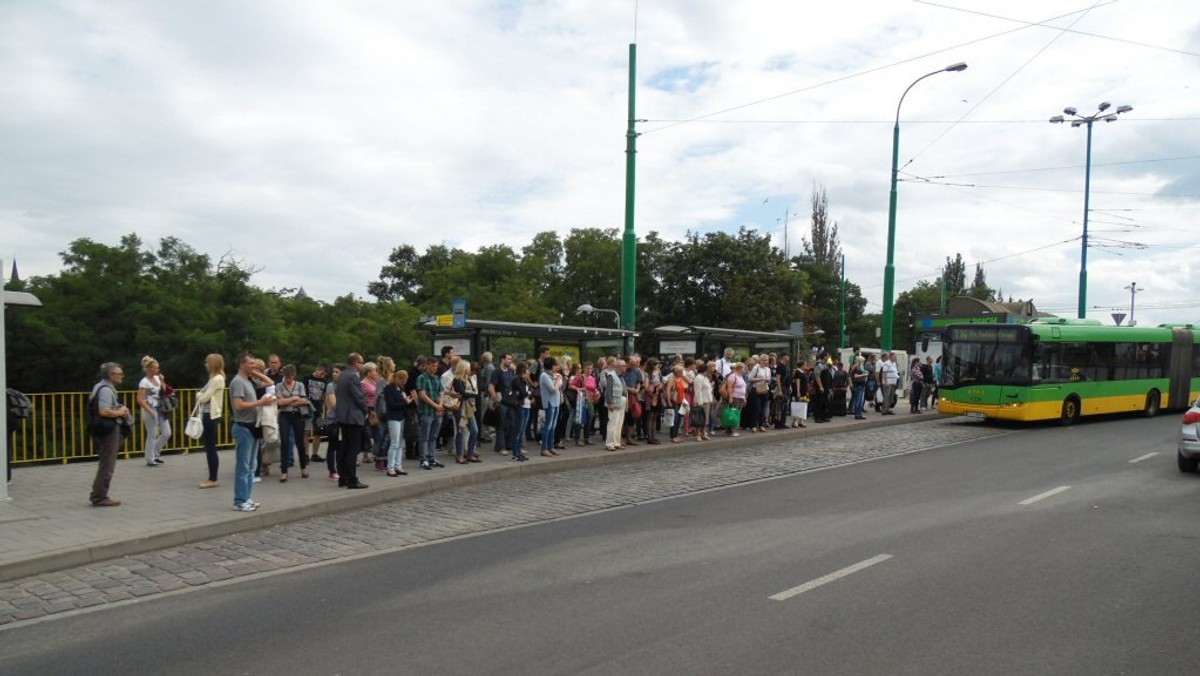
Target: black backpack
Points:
(19, 405)
(98, 425)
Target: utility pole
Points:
(842, 340)
(629, 241)
(1133, 289)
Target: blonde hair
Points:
(387, 366)
(462, 369)
(215, 364)
(148, 361)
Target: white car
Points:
(1189, 439)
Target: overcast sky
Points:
(310, 138)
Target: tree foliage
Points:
(821, 264)
(121, 301)
(954, 274)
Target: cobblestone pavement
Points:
(455, 512)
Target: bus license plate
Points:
(976, 415)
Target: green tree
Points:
(954, 272)
(737, 281)
(979, 288)
(821, 263)
(919, 301)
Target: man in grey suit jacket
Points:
(350, 414)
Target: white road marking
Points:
(1045, 495)
(836, 575)
(1143, 457)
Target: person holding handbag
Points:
(676, 387)
(152, 391)
(702, 398)
(733, 392)
(760, 395)
(858, 379)
(209, 401)
(550, 386)
(466, 433)
(113, 418)
(398, 400)
(292, 399)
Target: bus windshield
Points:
(996, 355)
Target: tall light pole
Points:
(1133, 289)
(889, 271)
(1079, 121)
(842, 338)
(629, 238)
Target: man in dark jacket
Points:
(350, 414)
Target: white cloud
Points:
(313, 136)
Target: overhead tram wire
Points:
(937, 272)
(1003, 82)
(1065, 167)
(889, 122)
(861, 73)
(920, 180)
(1069, 30)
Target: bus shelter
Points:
(477, 336)
(689, 340)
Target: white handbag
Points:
(195, 426)
(799, 409)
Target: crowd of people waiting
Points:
(383, 415)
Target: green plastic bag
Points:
(731, 417)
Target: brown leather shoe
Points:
(107, 502)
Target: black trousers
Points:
(347, 457)
(501, 440)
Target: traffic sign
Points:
(445, 320)
(1118, 317)
(458, 309)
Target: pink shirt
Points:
(739, 385)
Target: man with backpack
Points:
(106, 416)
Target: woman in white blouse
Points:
(157, 423)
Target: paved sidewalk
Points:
(49, 525)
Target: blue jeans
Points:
(522, 419)
(243, 471)
(472, 429)
(549, 428)
(291, 435)
(860, 398)
(431, 424)
(395, 454)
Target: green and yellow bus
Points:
(1066, 368)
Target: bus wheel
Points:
(1070, 411)
(1152, 404)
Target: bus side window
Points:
(1125, 361)
(1075, 361)
(1099, 366)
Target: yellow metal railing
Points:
(56, 431)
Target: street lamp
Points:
(1079, 121)
(889, 271)
(586, 308)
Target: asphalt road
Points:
(920, 564)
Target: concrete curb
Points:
(415, 487)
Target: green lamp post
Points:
(889, 271)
